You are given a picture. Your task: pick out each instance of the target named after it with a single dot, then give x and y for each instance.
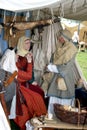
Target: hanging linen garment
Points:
(39, 63)
(36, 41)
(53, 39)
(57, 30)
(49, 44)
(44, 39)
(45, 43)
(52, 34)
(46, 48)
(35, 49)
(49, 41)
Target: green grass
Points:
(82, 60)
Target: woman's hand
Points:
(29, 57)
(34, 83)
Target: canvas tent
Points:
(72, 9)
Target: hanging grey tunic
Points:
(70, 75)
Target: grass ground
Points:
(82, 60)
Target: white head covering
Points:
(20, 46)
(8, 61)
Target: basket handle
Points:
(79, 110)
(78, 103)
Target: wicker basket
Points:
(69, 116)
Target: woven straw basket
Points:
(69, 116)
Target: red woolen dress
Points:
(29, 102)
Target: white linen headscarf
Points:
(20, 46)
(8, 61)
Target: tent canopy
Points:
(25, 5)
(71, 9)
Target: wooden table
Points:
(57, 124)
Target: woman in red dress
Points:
(29, 94)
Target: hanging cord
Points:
(61, 10)
(38, 15)
(27, 15)
(4, 16)
(52, 15)
(74, 5)
(14, 18)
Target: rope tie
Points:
(4, 17)
(14, 18)
(38, 15)
(52, 14)
(74, 5)
(61, 10)
(27, 15)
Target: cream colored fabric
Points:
(64, 53)
(20, 47)
(61, 84)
